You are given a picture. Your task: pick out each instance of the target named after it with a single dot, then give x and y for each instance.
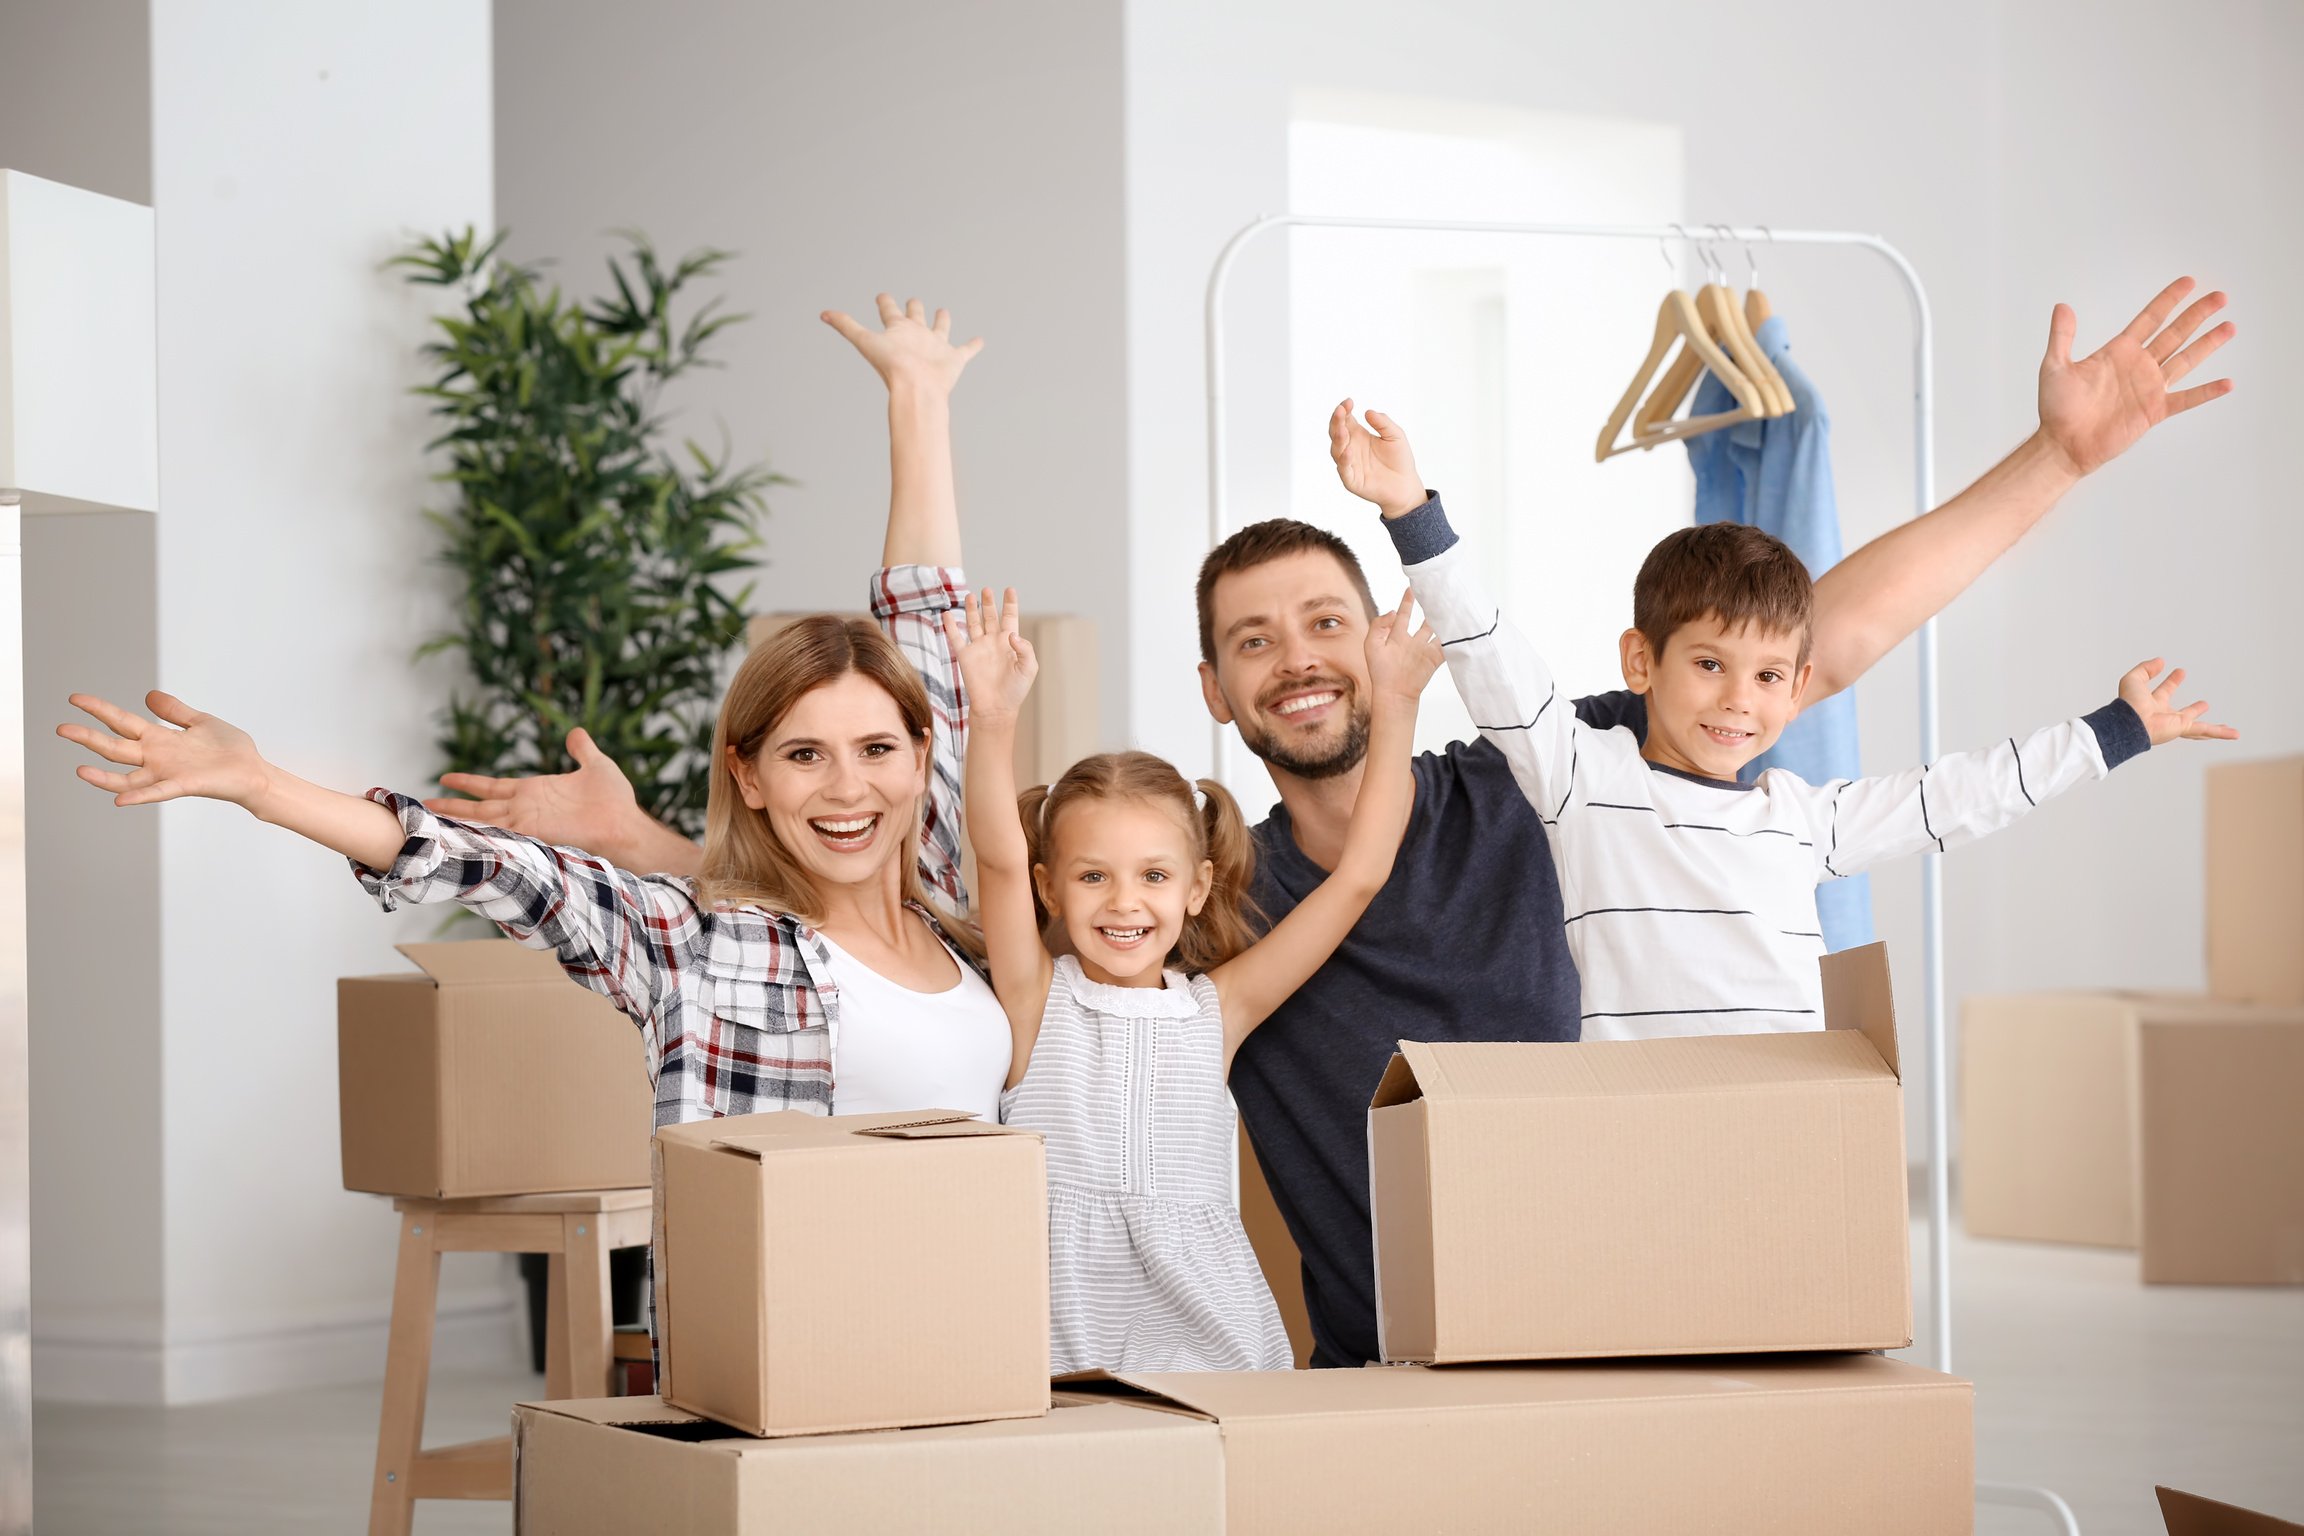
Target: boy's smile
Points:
(1717, 698)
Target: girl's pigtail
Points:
(1229, 921)
(1032, 811)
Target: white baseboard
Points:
(123, 1365)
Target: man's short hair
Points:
(1747, 578)
(1257, 544)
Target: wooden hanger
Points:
(1730, 327)
(1677, 319)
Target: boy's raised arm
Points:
(1505, 684)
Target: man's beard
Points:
(1341, 758)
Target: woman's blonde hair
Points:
(745, 862)
(1227, 922)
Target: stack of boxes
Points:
(2166, 1123)
(1685, 1249)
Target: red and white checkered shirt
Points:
(736, 1004)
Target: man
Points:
(1465, 942)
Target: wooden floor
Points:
(2087, 1382)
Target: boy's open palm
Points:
(997, 664)
(180, 752)
(1374, 461)
(908, 344)
(1402, 655)
(2156, 707)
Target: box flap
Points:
(941, 1126)
(2188, 1514)
(617, 1411)
(472, 961)
(1463, 1071)
(1859, 996)
(758, 1135)
(1399, 1085)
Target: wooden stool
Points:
(577, 1230)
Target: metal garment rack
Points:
(1923, 498)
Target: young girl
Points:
(1123, 1041)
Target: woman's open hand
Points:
(997, 664)
(180, 752)
(909, 347)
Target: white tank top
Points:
(895, 1049)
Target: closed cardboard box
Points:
(1703, 1195)
(816, 1274)
(2158, 1122)
(486, 1071)
(637, 1467)
(1781, 1445)
(2256, 882)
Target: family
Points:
(1134, 950)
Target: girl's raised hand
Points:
(908, 346)
(996, 661)
(1402, 655)
(2156, 707)
(179, 752)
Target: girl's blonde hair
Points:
(1227, 922)
(745, 862)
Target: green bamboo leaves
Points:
(594, 560)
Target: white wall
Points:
(2019, 155)
(295, 149)
(83, 118)
(969, 155)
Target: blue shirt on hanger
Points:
(1776, 475)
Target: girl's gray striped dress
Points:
(1149, 1269)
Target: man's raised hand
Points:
(908, 347)
(2095, 409)
(1374, 461)
(593, 807)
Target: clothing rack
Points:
(1923, 497)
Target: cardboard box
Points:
(486, 1071)
(623, 1466)
(1783, 1445)
(2187, 1514)
(2138, 1120)
(2256, 882)
(1704, 1195)
(816, 1274)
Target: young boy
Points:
(1689, 896)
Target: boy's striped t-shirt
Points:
(1690, 902)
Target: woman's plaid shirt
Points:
(735, 1004)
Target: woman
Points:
(798, 966)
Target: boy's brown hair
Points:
(1747, 578)
(1259, 543)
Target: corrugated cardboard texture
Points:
(2256, 882)
(1783, 1446)
(490, 1074)
(2223, 1135)
(1608, 1198)
(816, 1277)
(1103, 1468)
(2047, 1117)
(2187, 1514)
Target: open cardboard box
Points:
(625, 1466)
(2168, 1124)
(1782, 1445)
(1702, 1195)
(816, 1274)
(486, 1071)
